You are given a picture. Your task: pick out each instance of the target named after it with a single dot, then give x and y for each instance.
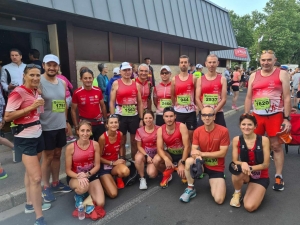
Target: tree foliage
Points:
(279, 25)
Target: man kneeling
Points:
(213, 141)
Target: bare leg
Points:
(109, 185)
(188, 162)
(278, 154)
(55, 165)
(46, 166)
(191, 132)
(133, 145)
(140, 163)
(218, 189)
(7, 143)
(33, 171)
(97, 193)
(254, 196)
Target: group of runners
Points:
(96, 164)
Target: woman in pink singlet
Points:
(146, 143)
(82, 166)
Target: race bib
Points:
(58, 106)
(255, 174)
(184, 100)
(128, 110)
(210, 99)
(165, 103)
(175, 151)
(211, 162)
(151, 151)
(107, 167)
(262, 103)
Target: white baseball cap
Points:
(199, 66)
(51, 58)
(116, 70)
(125, 65)
(165, 67)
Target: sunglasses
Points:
(164, 73)
(247, 114)
(208, 115)
(33, 66)
(113, 116)
(268, 51)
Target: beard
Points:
(183, 69)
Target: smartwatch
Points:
(286, 118)
(250, 168)
(183, 162)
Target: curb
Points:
(15, 198)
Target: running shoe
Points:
(3, 174)
(241, 89)
(188, 195)
(233, 107)
(236, 199)
(184, 181)
(89, 209)
(143, 184)
(40, 221)
(71, 139)
(30, 209)
(231, 93)
(167, 176)
(120, 183)
(78, 199)
(60, 187)
(48, 195)
(279, 184)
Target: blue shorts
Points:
(103, 171)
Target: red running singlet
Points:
(173, 141)
(211, 91)
(163, 94)
(126, 99)
(148, 140)
(145, 91)
(184, 95)
(111, 150)
(83, 160)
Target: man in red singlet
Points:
(210, 143)
(173, 147)
(126, 102)
(182, 93)
(162, 94)
(145, 86)
(211, 90)
(269, 95)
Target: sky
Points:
(241, 7)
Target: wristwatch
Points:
(250, 168)
(183, 162)
(286, 118)
(89, 174)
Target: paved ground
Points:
(162, 206)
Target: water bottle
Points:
(40, 109)
(81, 213)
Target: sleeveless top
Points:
(111, 151)
(54, 117)
(173, 141)
(211, 91)
(255, 174)
(267, 93)
(235, 78)
(184, 95)
(163, 94)
(148, 140)
(126, 99)
(145, 91)
(83, 160)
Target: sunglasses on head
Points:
(113, 116)
(268, 51)
(208, 115)
(33, 66)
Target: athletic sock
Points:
(191, 186)
(55, 183)
(237, 191)
(279, 175)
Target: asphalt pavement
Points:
(162, 206)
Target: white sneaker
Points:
(143, 184)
